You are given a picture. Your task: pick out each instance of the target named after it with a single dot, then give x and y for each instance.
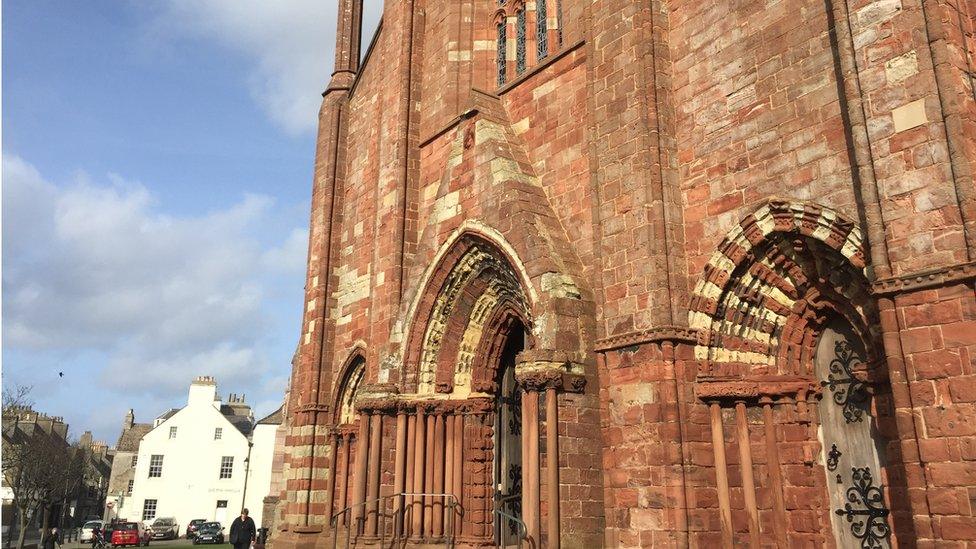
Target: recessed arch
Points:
(473, 279)
(765, 293)
(350, 378)
(468, 228)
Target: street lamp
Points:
(247, 473)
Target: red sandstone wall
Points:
(545, 111)
(938, 339)
(745, 105)
(758, 115)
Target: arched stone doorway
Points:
(446, 454)
(788, 365)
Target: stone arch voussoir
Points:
(768, 289)
(475, 286)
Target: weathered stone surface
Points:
(674, 202)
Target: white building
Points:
(196, 462)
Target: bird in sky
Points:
(60, 374)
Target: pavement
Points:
(153, 543)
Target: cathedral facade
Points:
(618, 273)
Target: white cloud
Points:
(291, 255)
(95, 267)
(290, 45)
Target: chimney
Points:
(203, 392)
(129, 421)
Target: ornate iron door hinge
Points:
(866, 511)
(848, 391)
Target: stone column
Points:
(458, 463)
(417, 509)
(748, 482)
(359, 481)
(429, 477)
(721, 475)
(373, 479)
(343, 489)
(552, 466)
(330, 490)
(448, 487)
(409, 472)
(437, 487)
(530, 463)
(399, 471)
(775, 473)
(536, 374)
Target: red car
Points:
(130, 533)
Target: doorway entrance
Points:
(508, 446)
(220, 514)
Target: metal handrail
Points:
(523, 530)
(451, 504)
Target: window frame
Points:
(155, 467)
(146, 508)
(172, 432)
(226, 467)
(218, 433)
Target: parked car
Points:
(209, 532)
(130, 533)
(165, 528)
(191, 528)
(88, 528)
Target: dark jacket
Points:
(49, 540)
(242, 531)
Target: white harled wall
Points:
(190, 487)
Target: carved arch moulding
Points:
(473, 295)
(770, 287)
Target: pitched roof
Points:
(168, 414)
(242, 423)
(274, 418)
(129, 439)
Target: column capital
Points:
(538, 373)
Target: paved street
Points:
(170, 544)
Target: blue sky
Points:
(157, 161)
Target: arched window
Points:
(537, 36)
(350, 385)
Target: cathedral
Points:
(621, 273)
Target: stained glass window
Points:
(520, 41)
(541, 30)
(502, 38)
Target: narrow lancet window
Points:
(520, 41)
(501, 51)
(541, 30)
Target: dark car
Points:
(191, 529)
(209, 532)
(165, 528)
(129, 533)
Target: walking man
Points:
(242, 531)
(52, 538)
